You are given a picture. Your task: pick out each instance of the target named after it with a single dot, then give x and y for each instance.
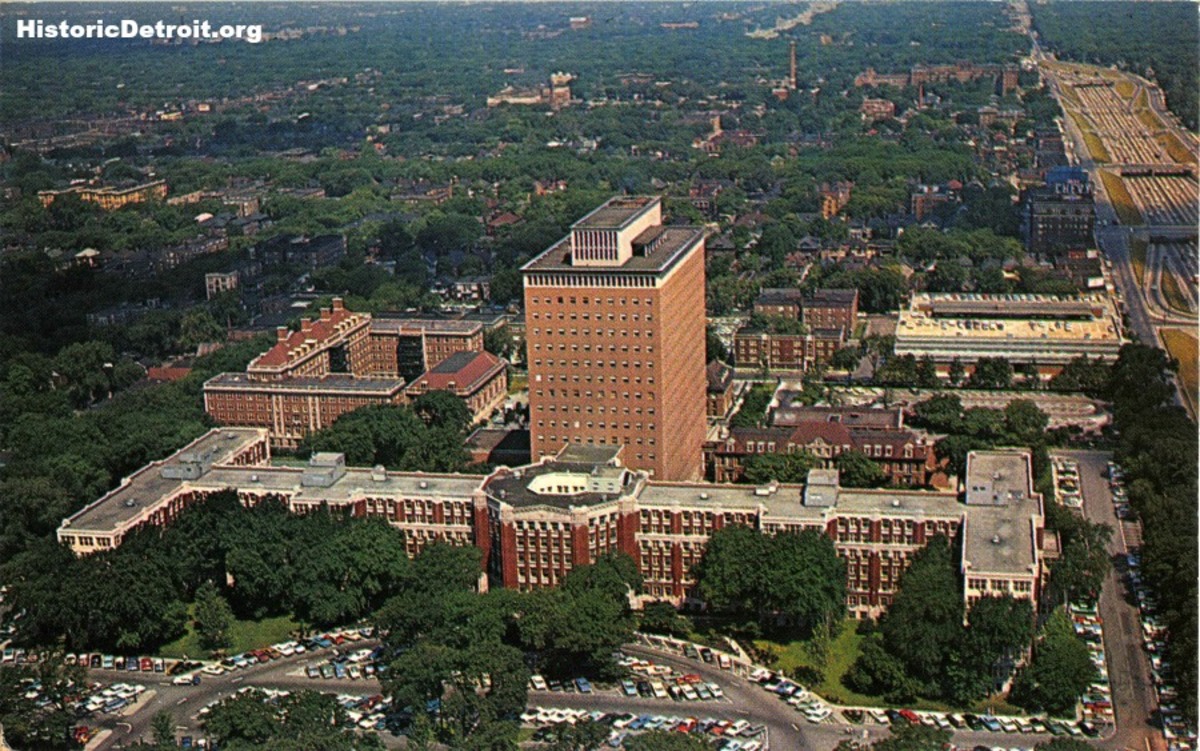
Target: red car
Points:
(911, 716)
(146, 665)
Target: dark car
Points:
(972, 722)
(643, 689)
(894, 716)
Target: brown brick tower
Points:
(615, 330)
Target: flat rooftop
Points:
(999, 319)
(673, 246)
(1000, 540)
(147, 486)
(1001, 504)
(616, 212)
(333, 383)
(414, 326)
(996, 478)
(514, 487)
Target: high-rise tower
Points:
(615, 331)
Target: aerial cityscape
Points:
(587, 376)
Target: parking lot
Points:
(1131, 632)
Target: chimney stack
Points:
(326, 314)
(338, 304)
(281, 333)
(792, 77)
(306, 325)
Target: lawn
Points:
(1127, 212)
(246, 635)
(843, 651)
(1149, 119)
(1125, 89)
(1095, 146)
(1183, 347)
(1172, 292)
(1137, 259)
(1175, 149)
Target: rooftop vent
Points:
(895, 503)
(130, 503)
(996, 540)
(704, 496)
(253, 478)
(423, 485)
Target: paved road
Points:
(1134, 699)
(184, 702)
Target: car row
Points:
(1097, 701)
(1180, 736)
(806, 703)
(101, 699)
(651, 680)
(965, 720)
(725, 735)
(567, 685)
(361, 663)
(1120, 497)
(1066, 482)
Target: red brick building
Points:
(615, 325)
(534, 524)
(720, 388)
(831, 309)
(478, 378)
(905, 458)
(342, 361)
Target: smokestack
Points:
(792, 78)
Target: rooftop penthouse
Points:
(625, 234)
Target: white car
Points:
(538, 683)
(818, 715)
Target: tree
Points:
(442, 409)
(198, 326)
(876, 672)
(927, 377)
(498, 341)
(957, 372)
(1083, 374)
(846, 358)
(213, 617)
(714, 348)
(857, 470)
(662, 740)
(940, 412)
(1085, 563)
(162, 729)
(661, 617)
(927, 612)
(763, 468)
(1060, 672)
(992, 373)
(26, 721)
(999, 629)
(729, 575)
(506, 285)
(913, 737)
(1024, 422)
(794, 576)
